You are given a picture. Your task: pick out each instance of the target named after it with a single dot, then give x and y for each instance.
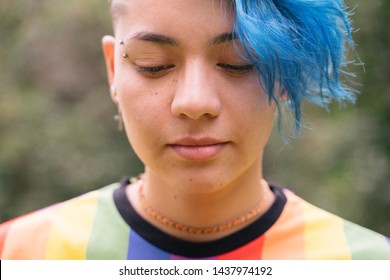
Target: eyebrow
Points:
(222, 38)
(155, 38)
(166, 40)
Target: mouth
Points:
(198, 149)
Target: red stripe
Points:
(3, 235)
(26, 235)
(251, 251)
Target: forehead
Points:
(172, 16)
(118, 6)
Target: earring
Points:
(119, 119)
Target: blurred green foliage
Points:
(58, 138)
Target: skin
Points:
(193, 109)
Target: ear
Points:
(284, 95)
(281, 91)
(108, 44)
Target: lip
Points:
(201, 149)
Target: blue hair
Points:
(298, 48)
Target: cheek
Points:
(264, 114)
(255, 115)
(143, 114)
(145, 105)
(141, 125)
(251, 105)
(258, 124)
(139, 101)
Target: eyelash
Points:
(153, 70)
(159, 70)
(236, 69)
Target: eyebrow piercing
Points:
(124, 55)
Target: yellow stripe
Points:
(324, 235)
(69, 235)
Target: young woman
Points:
(197, 85)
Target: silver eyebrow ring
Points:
(124, 55)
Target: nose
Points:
(197, 92)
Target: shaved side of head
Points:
(118, 9)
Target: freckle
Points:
(190, 179)
(174, 80)
(175, 197)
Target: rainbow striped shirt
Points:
(103, 225)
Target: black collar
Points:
(191, 249)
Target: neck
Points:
(201, 210)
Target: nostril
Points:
(196, 105)
(196, 91)
(195, 110)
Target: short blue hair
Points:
(298, 48)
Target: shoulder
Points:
(30, 236)
(323, 235)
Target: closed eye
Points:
(153, 71)
(236, 69)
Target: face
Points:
(193, 108)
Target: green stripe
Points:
(366, 244)
(110, 234)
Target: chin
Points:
(198, 184)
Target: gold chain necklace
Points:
(161, 218)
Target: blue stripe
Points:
(140, 249)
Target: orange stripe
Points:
(285, 240)
(251, 251)
(27, 235)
